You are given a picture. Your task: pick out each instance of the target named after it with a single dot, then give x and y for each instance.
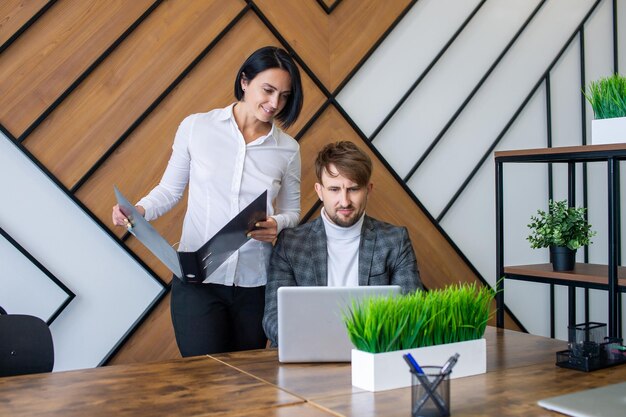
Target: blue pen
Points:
(413, 364)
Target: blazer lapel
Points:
(366, 250)
(319, 252)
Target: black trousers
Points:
(214, 318)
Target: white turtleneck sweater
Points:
(342, 244)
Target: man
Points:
(344, 246)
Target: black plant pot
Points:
(562, 258)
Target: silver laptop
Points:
(310, 325)
(608, 401)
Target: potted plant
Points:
(431, 325)
(607, 97)
(563, 229)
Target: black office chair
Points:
(25, 345)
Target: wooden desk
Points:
(184, 387)
(520, 371)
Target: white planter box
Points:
(384, 371)
(605, 131)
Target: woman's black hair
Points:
(272, 57)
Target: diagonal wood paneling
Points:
(137, 165)
(85, 125)
(60, 46)
(15, 13)
(332, 45)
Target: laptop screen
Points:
(310, 325)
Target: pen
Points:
(413, 363)
(447, 367)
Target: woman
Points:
(229, 156)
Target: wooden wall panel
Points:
(55, 51)
(15, 13)
(332, 45)
(304, 25)
(138, 164)
(79, 131)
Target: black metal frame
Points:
(46, 272)
(571, 156)
(328, 9)
(88, 71)
(26, 25)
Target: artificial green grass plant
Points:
(607, 97)
(424, 318)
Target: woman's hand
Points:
(120, 219)
(266, 232)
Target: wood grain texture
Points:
(506, 349)
(504, 393)
(332, 45)
(192, 386)
(105, 105)
(157, 328)
(138, 164)
(571, 150)
(15, 13)
(593, 273)
(55, 51)
(520, 371)
(305, 26)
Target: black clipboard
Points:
(195, 267)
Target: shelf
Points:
(588, 153)
(613, 278)
(584, 275)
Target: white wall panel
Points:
(496, 102)
(26, 289)
(112, 289)
(471, 221)
(433, 103)
(400, 59)
(566, 98)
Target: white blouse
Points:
(225, 175)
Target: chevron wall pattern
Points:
(91, 94)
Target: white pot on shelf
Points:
(606, 131)
(385, 371)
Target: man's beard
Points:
(346, 223)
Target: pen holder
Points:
(585, 339)
(430, 393)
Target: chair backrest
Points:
(25, 345)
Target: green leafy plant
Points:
(607, 97)
(424, 318)
(560, 226)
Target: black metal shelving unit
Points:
(610, 277)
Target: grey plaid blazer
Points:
(299, 258)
